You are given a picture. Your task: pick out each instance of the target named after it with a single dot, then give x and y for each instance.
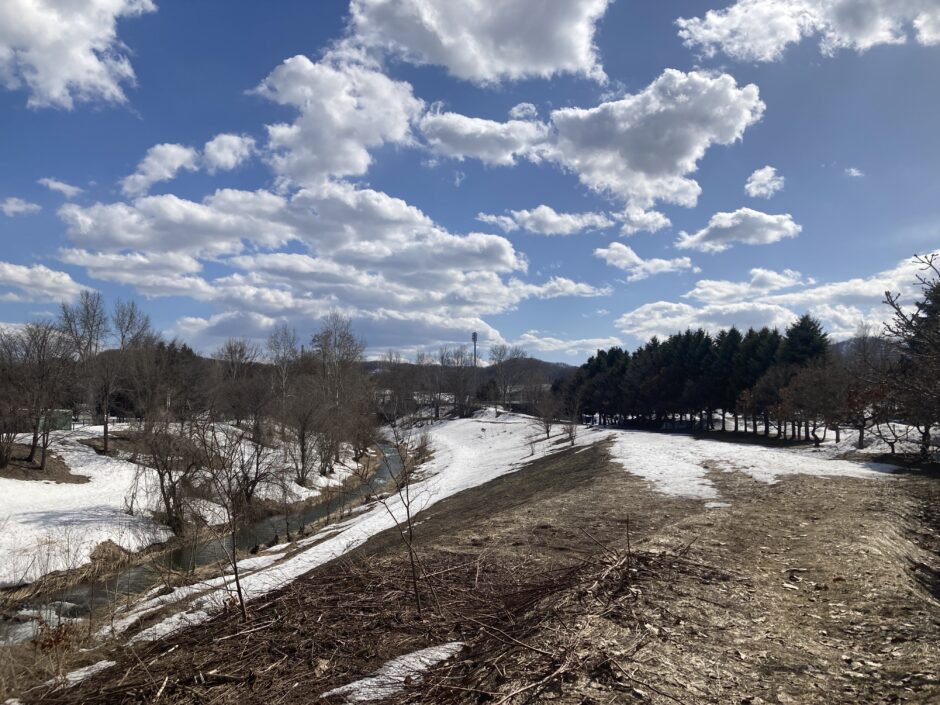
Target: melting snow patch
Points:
(391, 678)
(676, 464)
(75, 677)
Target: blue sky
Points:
(561, 174)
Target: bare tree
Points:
(546, 412)
(46, 358)
(11, 385)
(346, 395)
(237, 356)
(915, 377)
(85, 324)
(176, 460)
(237, 387)
(283, 353)
(507, 369)
(460, 375)
(411, 447)
(303, 408)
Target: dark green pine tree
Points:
(805, 342)
(725, 387)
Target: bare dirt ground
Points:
(572, 581)
(20, 468)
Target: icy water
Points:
(81, 599)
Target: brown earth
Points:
(20, 468)
(572, 581)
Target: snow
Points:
(676, 464)
(77, 676)
(47, 526)
(390, 678)
(466, 453)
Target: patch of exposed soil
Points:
(20, 468)
(572, 581)
(120, 443)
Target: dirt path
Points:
(810, 590)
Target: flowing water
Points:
(82, 598)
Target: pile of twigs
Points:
(523, 629)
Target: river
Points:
(83, 598)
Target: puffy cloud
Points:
(368, 254)
(63, 52)
(760, 30)
(663, 318)
(503, 222)
(225, 152)
(634, 220)
(637, 268)
(764, 183)
(744, 225)
(161, 163)
(36, 283)
(524, 111)
(537, 341)
(762, 281)
(499, 143)
(485, 42)
(775, 299)
(642, 147)
(854, 173)
(218, 225)
(160, 274)
(65, 189)
(17, 206)
(344, 110)
(545, 220)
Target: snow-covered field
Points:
(676, 464)
(45, 526)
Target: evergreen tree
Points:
(805, 342)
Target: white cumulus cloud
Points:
(764, 183)
(344, 109)
(761, 30)
(485, 42)
(161, 163)
(643, 147)
(65, 189)
(35, 284)
(545, 220)
(492, 142)
(226, 152)
(640, 149)
(637, 268)
(14, 206)
(775, 299)
(745, 226)
(66, 52)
